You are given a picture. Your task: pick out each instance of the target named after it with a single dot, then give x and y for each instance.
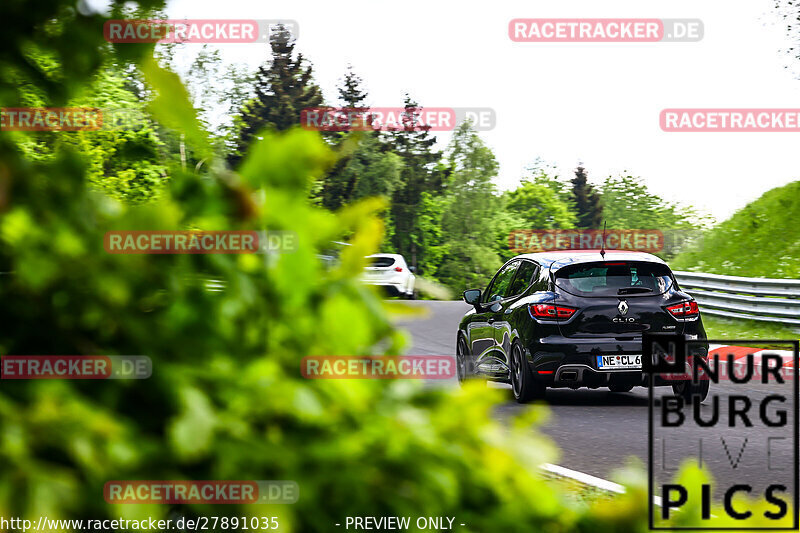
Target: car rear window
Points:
(614, 278)
(381, 261)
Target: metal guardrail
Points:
(764, 299)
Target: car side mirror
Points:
(472, 296)
(412, 269)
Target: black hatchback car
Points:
(575, 319)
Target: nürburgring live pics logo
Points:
(745, 432)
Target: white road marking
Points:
(586, 479)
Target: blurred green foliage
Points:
(628, 203)
(226, 399)
(124, 158)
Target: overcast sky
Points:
(596, 103)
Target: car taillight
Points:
(398, 269)
(684, 309)
(550, 311)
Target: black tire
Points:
(461, 360)
(691, 392)
(523, 385)
(620, 387)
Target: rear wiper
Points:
(632, 290)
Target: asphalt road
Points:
(597, 430)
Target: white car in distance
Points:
(391, 272)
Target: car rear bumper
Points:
(571, 375)
(572, 362)
(574, 375)
(396, 287)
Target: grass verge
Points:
(718, 328)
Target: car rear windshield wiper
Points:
(632, 290)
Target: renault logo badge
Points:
(623, 307)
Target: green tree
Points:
(546, 174)
(370, 170)
(420, 173)
(283, 87)
(129, 160)
(217, 90)
(468, 220)
(628, 203)
(587, 201)
(536, 204)
(507, 221)
(127, 157)
(366, 165)
(430, 238)
(539, 206)
(351, 91)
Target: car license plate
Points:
(619, 362)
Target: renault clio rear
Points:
(575, 319)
